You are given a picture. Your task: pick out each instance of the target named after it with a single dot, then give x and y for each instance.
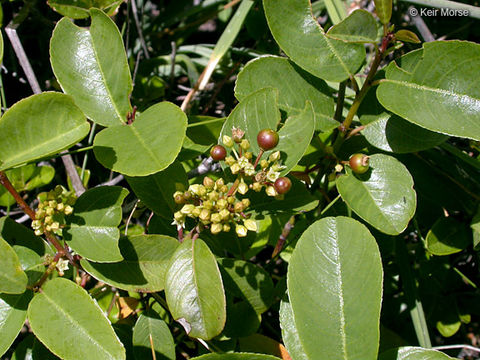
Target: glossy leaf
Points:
(194, 290)
(413, 353)
(151, 329)
(447, 236)
(143, 269)
(255, 112)
(384, 10)
(91, 65)
(383, 196)
(259, 111)
(156, 191)
(76, 9)
(30, 348)
(13, 279)
(150, 144)
(441, 92)
(242, 320)
(290, 334)
(26, 178)
(65, 308)
(93, 228)
(258, 343)
(294, 86)
(359, 27)
(236, 356)
(304, 41)
(31, 263)
(247, 281)
(39, 126)
(13, 312)
(334, 312)
(407, 36)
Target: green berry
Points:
(359, 163)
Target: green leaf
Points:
(407, 36)
(70, 324)
(39, 126)
(255, 112)
(259, 111)
(304, 41)
(413, 353)
(13, 279)
(30, 348)
(290, 335)
(92, 230)
(145, 263)
(384, 10)
(247, 281)
(156, 191)
(145, 147)
(359, 27)
(32, 264)
(151, 329)
(236, 356)
(447, 236)
(475, 226)
(441, 92)
(334, 312)
(242, 320)
(194, 290)
(383, 196)
(91, 65)
(13, 312)
(294, 86)
(26, 178)
(76, 9)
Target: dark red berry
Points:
(267, 139)
(283, 185)
(359, 163)
(218, 153)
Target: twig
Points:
(172, 65)
(206, 166)
(117, 179)
(130, 217)
(139, 28)
(354, 131)
(219, 87)
(283, 236)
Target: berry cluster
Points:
(214, 207)
(51, 210)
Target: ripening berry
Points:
(283, 185)
(218, 153)
(359, 163)
(267, 139)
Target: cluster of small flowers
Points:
(51, 211)
(242, 164)
(211, 204)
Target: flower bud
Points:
(248, 155)
(241, 230)
(179, 217)
(238, 207)
(187, 209)
(215, 218)
(230, 160)
(68, 210)
(204, 215)
(223, 189)
(49, 211)
(242, 188)
(58, 190)
(230, 200)
(208, 182)
(264, 163)
(40, 214)
(48, 220)
(208, 204)
(270, 190)
(222, 203)
(52, 204)
(235, 168)
(250, 224)
(256, 186)
(213, 196)
(224, 214)
(38, 232)
(55, 226)
(216, 228)
(227, 141)
(249, 169)
(36, 224)
(60, 206)
(246, 202)
(226, 227)
(187, 195)
(220, 182)
(245, 144)
(274, 156)
(196, 212)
